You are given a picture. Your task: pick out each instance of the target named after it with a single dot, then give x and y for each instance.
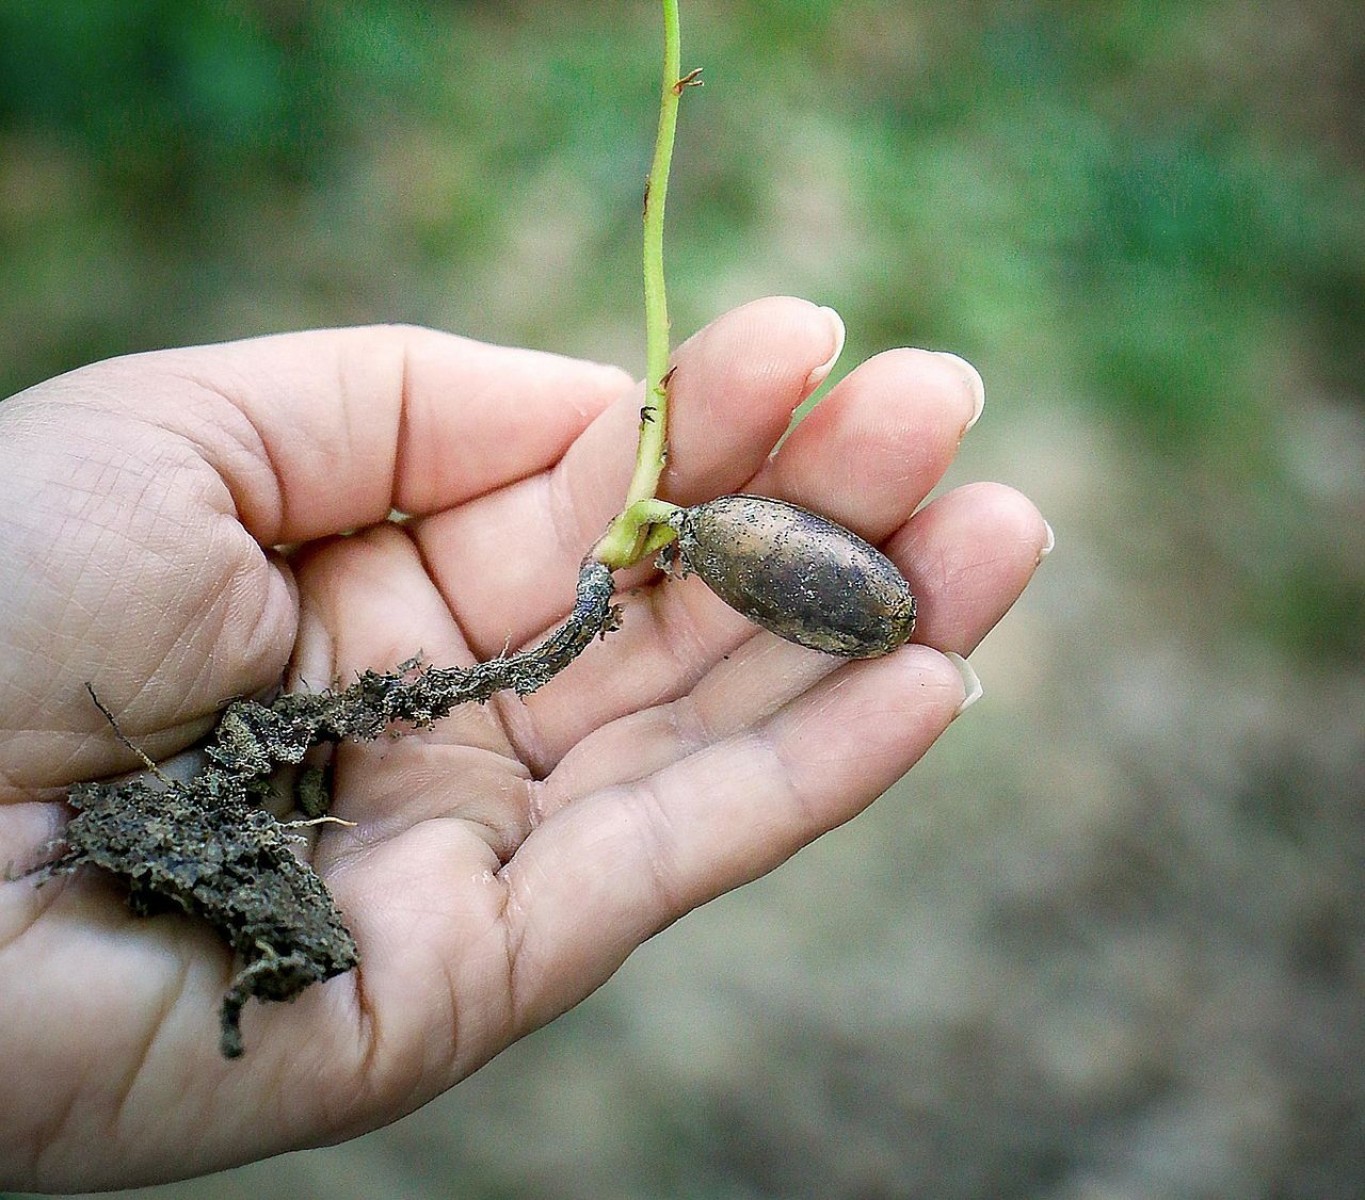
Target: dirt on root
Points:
(209, 848)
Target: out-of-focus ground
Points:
(1107, 940)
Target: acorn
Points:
(795, 573)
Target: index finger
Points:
(319, 432)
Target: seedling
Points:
(209, 847)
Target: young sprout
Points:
(207, 846)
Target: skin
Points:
(505, 863)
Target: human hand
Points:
(504, 863)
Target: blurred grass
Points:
(1104, 182)
(1132, 872)
(1151, 208)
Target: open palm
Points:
(504, 863)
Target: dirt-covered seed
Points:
(796, 573)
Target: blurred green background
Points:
(1107, 940)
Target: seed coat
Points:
(796, 573)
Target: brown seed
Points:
(797, 574)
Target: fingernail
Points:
(974, 383)
(821, 373)
(1048, 545)
(971, 682)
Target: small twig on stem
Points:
(118, 733)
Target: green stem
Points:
(627, 538)
(653, 433)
